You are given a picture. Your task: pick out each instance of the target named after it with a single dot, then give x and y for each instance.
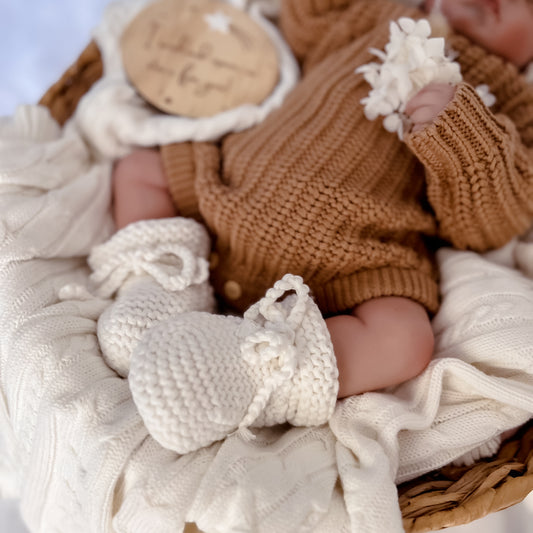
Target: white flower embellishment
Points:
(484, 93)
(410, 61)
(218, 21)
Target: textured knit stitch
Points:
(178, 158)
(198, 377)
(158, 269)
(320, 191)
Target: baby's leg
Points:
(140, 189)
(384, 342)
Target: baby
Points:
(319, 191)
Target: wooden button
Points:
(232, 290)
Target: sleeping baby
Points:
(344, 213)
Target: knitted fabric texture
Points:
(158, 270)
(83, 457)
(320, 191)
(198, 377)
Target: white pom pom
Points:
(435, 47)
(394, 124)
(422, 29)
(411, 61)
(484, 93)
(407, 25)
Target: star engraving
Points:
(218, 21)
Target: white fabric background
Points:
(38, 41)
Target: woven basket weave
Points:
(448, 497)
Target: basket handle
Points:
(62, 97)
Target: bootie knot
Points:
(172, 264)
(268, 334)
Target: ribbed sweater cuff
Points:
(345, 293)
(459, 135)
(461, 152)
(179, 168)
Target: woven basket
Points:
(447, 497)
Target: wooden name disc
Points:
(198, 57)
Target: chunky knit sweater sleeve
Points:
(479, 163)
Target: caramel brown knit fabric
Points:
(320, 191)
(178, 162)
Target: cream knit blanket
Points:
(73, 446)
(79, 454)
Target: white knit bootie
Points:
(157, 268)
(198, 377)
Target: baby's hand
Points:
(427, 103)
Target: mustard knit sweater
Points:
(320, 191)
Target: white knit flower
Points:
(411, 61)
(484, 93)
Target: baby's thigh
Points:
(140, 189)
(138, 169)
(383, 342)
(402, 328)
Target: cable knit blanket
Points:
(75, 450)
